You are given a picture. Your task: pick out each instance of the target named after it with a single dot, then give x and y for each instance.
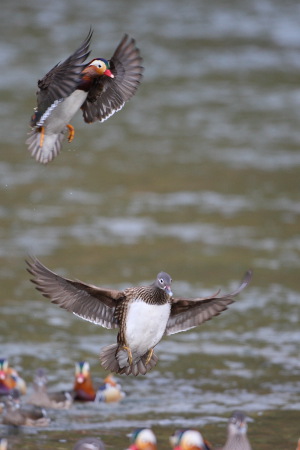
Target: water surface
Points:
(198, 175)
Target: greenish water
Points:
(198, 175)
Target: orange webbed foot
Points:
(71, 132)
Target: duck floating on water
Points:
(41, 397)
(17, 414)
(189, 440)
(237, 432)
(10, 379)
(143, 439)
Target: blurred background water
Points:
(198, 175)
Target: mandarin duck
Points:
(99, 88)
(189, 440)
(10, 379)
(89, 443)
(41, 397)
(143, 314)
(16, 414)
(237, 432)
(110, 391)
(143, 439)
(83, 388)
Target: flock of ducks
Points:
(100, 88)
(34, 411)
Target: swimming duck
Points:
(189, 440)
(41, 397)
(109, 391)
(16, 414)
(99, 88)
(83, 388)
(86, 389)
(10, 379)
(143, 439)
(237, 432)
(143, 314)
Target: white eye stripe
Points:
(98, 63)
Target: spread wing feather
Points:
(108, 95)
(87, 301)
(63, 78)
(189, 313)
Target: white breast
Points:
(145, 325)
(61, 115)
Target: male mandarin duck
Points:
(10, 379)
(89, 443)
(189, 440)
(99, 88)
(143, 439)
(16, 414)
(110, 391)
(143, 314)
(83, 388)
(87, 390)
(41, 397)
(237, 432)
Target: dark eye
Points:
(161, 281)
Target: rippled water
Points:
(198, 175)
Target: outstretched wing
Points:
(62, 79)
(188, 313)
(89, 302)
(108, 95)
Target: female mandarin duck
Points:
(143, 439)
(41, 397)
(189, 440)
(237, 432)
(143, 314)
(16, 414)
(99, 88)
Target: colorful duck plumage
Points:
(10, 379)
(189, 440)
(99, 88)
(142, 439)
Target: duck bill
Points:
(168, 291)
(80, 379)
(108, 73)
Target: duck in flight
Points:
(99, 88)
(143, 314)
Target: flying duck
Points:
(143, 314)
(100, 88)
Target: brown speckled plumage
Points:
(131, 310)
